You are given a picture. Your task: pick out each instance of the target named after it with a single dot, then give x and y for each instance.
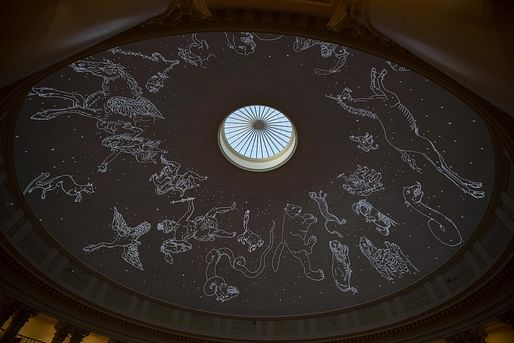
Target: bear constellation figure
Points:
(365, 142)
(382, 222)
(248, 237)
(362, 181)
(321, 200)
(341, 269)
(65, 182)
(386, 104)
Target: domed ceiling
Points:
(117, 156)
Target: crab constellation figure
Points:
(341, 268)
(332, 222)
(64, 182)
(398, 120)
(295, 227)
(192, 54)
(169, 179)
(248, 237)
(390, 262)
(327, 50)
(441, 227)
(201, 228)
(382, 222)
(365, 142)
(126, 238)
(363, 181)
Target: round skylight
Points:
(257, 138)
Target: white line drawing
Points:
(365, 142)
(397, 67)
(64, 182)
(295, 227)
(248, 237)
(382, 222)
(442, 227)
(169, 179)
(327, 50)
(390, 262)
(362, 181)
(341, 268)
(385, 103)
(126, 238)
(201, 228)
(243, 43)
(192, 54)
(321, 200)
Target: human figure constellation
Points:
(327, 50)
(248, 237)
(363, 181)
(66, 183)
(383, 223)
(341, 267)
(365, 142)
(400, 121)
(193, 53)
(126, 238)
(332, 222)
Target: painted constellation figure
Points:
(365, 142)
(397, 67)
(243, 43)
(362, 181)
(327, 50)
(65, 183)
(386, 104)
(341, 269)
(332, 222)
(442, 227)
(192, 54)
(295, 227)
(382, 222)
(390, 262)
(169, 179)
(248, 237)
(201, 228)
(126, 238)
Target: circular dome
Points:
(257, 138)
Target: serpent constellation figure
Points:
(341, 269)
(399, 120)
(382, 222)
(64, 182)
(365, 142)
(243, 43)
(321, 200)
(248, 237)
(295, 227)
(390, 262)
(327, 50)
(169, 179)
(397, 67)
(442, 227)
(126, 238)
(201, 228)
(192, 54)
(362, 181)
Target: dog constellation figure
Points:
(243, 43)
(382, 222)
(366, 142)
(341, 269)
(442, 227)
(321, 200)
(397, 118)
(248, 237)
(327, 50)
(126, 238)
(169, 179)
(397, 67)
(295, 227)
(390, 262)
(64, 182)
(192, 54)
(201, 228)
(362, 181)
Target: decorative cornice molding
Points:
(178, 11)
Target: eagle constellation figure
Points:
(126, 238)
(385, 107)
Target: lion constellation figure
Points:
(385, 107)
(327, 50)
(321, 200)
(201, 228)
(169, 179)
(295, 227)
(192, 53)
(64, 182)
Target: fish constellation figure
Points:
(398, 120)
(248, 237)
(200, 228)
(327, 50)
(397, 67)
(442, 227)
(332, 222)
(382, 222)
(169, 179)
(243, 43)
(390, 262)
(193, 53)
(65, 183)
(363, 181)
(126, 238)
(341, 268)
(365, 142)
(295, 227)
